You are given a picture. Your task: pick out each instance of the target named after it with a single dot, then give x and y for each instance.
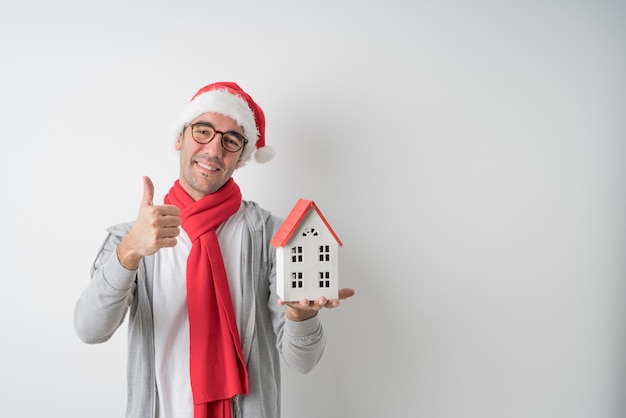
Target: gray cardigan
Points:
(114, 292)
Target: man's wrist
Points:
(126, 258)
(297, 315)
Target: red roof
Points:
(292, 221)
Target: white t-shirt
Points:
(171, 322)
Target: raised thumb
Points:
(148, 192)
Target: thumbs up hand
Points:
(156, 227)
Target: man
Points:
(196, 277)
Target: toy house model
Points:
(306, 255)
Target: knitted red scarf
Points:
(218, 370)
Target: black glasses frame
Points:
(244, 141)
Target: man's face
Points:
(205, 168)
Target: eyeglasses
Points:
(203, 133)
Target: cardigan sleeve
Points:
(303, 343)
(103, 304)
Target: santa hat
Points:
(228, 99)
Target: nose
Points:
(214, 146)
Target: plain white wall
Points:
(470, 155)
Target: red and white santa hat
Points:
(227, 98)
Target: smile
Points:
(206, 166)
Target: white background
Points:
(470, 156)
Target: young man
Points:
(196, 277)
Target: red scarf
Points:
(218, 370)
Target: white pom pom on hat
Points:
(227, 98)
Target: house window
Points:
(324, 252)
(309, 232)
(296, 254)
(296, 280)
(324, 279)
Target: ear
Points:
(179, 142)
